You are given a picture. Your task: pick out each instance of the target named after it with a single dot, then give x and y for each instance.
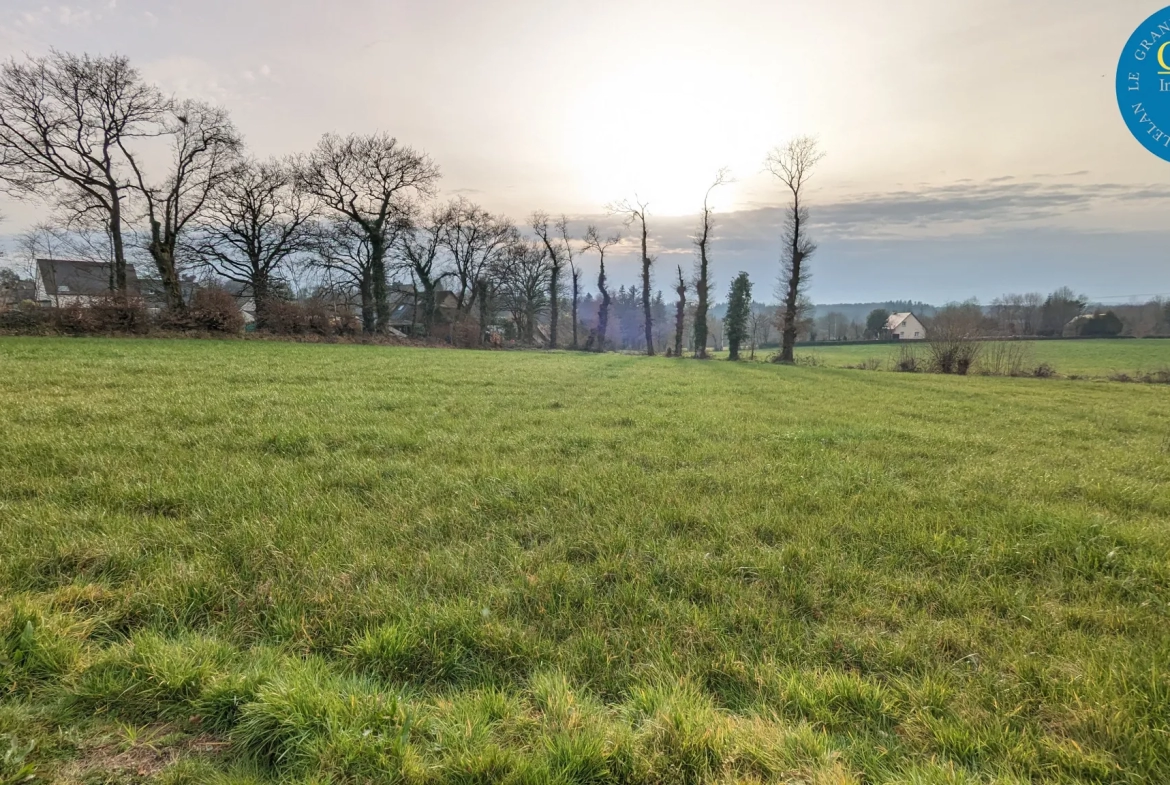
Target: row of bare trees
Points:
(86, 135)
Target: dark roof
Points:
(70, 277)
(404, 300)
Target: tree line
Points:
(138, 177)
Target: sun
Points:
(661, 130)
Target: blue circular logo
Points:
(1143, 84)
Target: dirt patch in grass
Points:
(154, 749)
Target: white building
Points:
(905, 327)
(61, 283)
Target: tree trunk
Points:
(369, 310)
(701, 287)
(380, 293)
(646, 292)
(787, 349)
(260, 295)
(116, 242)
(162, 251)
(483, 312)
(680, 315)
(554, 288)
(575, 288)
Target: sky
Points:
(972, 147)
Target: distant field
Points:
(1084, 358)
(249, 562)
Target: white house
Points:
(61, 283)
(905, 327)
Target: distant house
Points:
(905, 327)
(406, 308)
(61, 283)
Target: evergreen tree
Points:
(739, 303)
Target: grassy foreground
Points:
(1099, 358)
(248, 562)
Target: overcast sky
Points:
(973, 147)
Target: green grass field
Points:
(250, 562)
(1096, 359)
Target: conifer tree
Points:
(739, 303)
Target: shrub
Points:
(1044, 371)
(285, 317)
(869, 364)
(953, 355)
(217, 311)
(212, 310)
(907, 359)
(317, 319)
(26, 318)
(107, 314)
(808, 360)
(1006, 358)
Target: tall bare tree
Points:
(256, 223)
(793, 164)
(594, 241)
(702, 242)
(556, 265)
(205, 152)
(67, 123)
(523, 278)
(419, 251)
(574, 274)
(340, 251)
(680, 313)
(367, 181)
(475, 240)
(635, 212)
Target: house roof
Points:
(404, 300)
(71, 277)
(896, 319)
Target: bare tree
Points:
(340, 250)
(205, 150)
(793, 165)
(66, 125)
(367, 180)
(702, 242)
(476, 240)
(523, 275)
(42, 241)
(256, 222)
(419, 250)
(574, 274)
(556, 263)
(680, 313)
(593, 241)
(635, 212)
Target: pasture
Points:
(1099, 358)
(250, 562)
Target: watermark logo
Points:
(1143, 84)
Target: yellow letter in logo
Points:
(1162, 58)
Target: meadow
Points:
(249, 562)
(1100, 358)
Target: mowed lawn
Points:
(250, 562)
(1100, 358)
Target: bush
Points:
(869, 364)
(954, 355)
(211, 310)
(1044, 371)
(1007, 358)
(284, 317)
(26, 318)
(107, 314)
(907, 360)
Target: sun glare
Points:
(662, 130)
